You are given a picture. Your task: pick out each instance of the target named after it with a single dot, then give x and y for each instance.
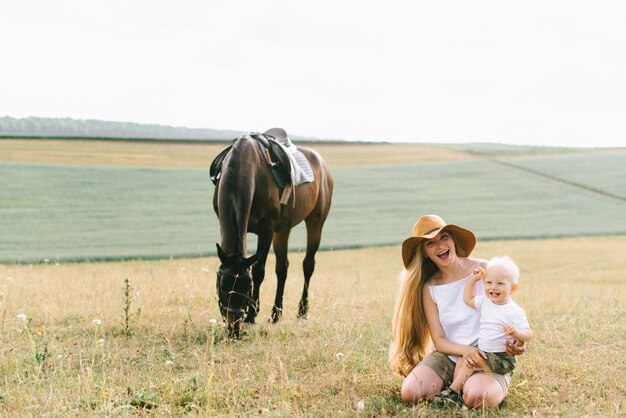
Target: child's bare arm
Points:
(470, 285)
(519, 334)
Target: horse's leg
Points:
(313, 237)
(281, 240)
(258, 274)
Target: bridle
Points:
(227, 309)
(224, 309)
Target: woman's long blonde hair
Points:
(410, 335)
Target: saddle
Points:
(275, 156)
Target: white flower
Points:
(19, 330)
(101, 341)
(360, 405)
(339, 356)
(169, 363)
(22, 317)
(60, 356)
(213, 321)
(96, 322)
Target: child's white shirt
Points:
(491, 338)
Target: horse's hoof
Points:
(303, 311)
(276, 314)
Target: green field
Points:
(62, 212)
(599, 171)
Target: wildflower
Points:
(213, 321)
(339, 356)
(96, 322)
(360, 405)
(60, 356)
(101, 341)
(169, 363)
(22, 317)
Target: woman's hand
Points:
(474, 357)
(515, 348)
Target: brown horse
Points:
(247, 199)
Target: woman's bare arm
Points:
(442, 344)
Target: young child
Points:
(500, 319)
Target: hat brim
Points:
(464, 239)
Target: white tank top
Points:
(460, 323)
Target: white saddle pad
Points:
(301, 171)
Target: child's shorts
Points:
(501, 363)
(443, 366)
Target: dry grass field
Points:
(66, 349)
(178, 155)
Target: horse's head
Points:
(234, 288)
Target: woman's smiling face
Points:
(441, 249)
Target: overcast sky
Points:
(531, 72)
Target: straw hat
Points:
(428, 226)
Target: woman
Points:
(430, 307)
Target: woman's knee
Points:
(422, 382)
(410, 392)
(483, 394)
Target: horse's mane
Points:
(235, 194)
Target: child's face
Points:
(499, 285)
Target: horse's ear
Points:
(221, 254)
(247, 262)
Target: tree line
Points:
(90, 128)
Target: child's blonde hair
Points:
(506, 263)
